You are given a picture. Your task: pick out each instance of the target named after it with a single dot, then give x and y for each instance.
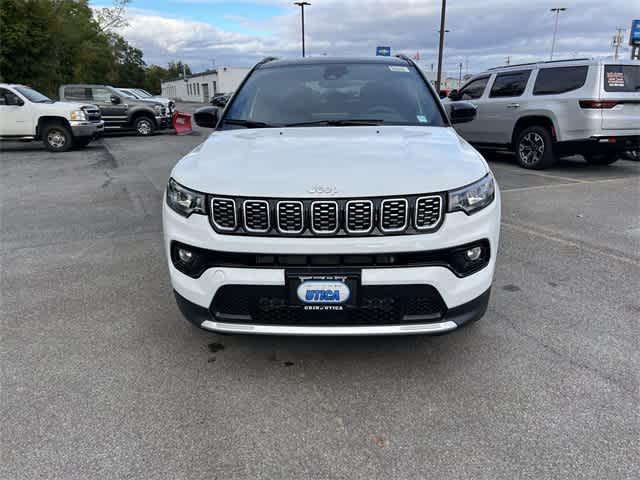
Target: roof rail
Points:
(537, 63)
(266, 60)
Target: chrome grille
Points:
(93, 114)
(394, 215)
(290, 216)
(223, 214)
(324, 217)
(428, 211)
(256, 216)
(306, 217)
(359, 216)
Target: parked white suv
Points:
(548, 109)
(26, 114)
(333, 198)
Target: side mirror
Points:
(206, 117)
(463, 112)
(115, 99)
(454, 95)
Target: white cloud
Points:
(484, 33)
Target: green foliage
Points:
(46, 43)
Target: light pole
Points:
(443, 14)
(557, 11)
(302, 5)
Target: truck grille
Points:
(412, 214)
(93, 114)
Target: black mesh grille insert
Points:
(428, 211)
(256, 215)
(359, 216)
(394, 215)
(324, 217)
(378, 305)
(223, 213)
(290, 217)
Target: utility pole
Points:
(302, 5)
(557, 11)
(618, 38)
(443, 14)
(460, 76)
(509, 60)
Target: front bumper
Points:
(87, 129)
(163, 121)
(465, 298)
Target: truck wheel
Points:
(600, 158)
(144, 126)
(534, 148)
(57, 138)
(81, 142)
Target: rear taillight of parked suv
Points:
(598, 104)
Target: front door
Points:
(113, 114)
(205, 92)
(15, 115)
(474, 92)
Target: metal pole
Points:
(460, 76)
(443, 14)
(302, 5)
(557, 11)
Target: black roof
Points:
(287, 62)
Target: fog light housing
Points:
(473, 254)
(185, 255)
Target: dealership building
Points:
(200, 87)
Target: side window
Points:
(101, 95)
(9, 98)
(559, 80)
(76, 93)
(510, 84)
(475, 89)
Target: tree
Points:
(109, 18)
(176, 69)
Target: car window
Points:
(102, 95)
(283, 95)
(622, 78)
(510, 84)
(77, 93)
(33, 95)
(559, 80)
(8, 98)
(474, 89)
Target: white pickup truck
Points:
(26, 114)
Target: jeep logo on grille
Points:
(318, 292)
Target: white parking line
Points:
(573, 184)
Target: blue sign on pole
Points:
(634, 38)
(383, 51)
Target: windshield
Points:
(143, 93)
(127, 93)
(33, 95)
(334, 94)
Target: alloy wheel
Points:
(531, 148)
(144, 127)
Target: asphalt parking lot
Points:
(102, 378)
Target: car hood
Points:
(62, 107)
(338, 161)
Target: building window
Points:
(215, 87)
(198, 88)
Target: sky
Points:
(482, 33)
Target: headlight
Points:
(77, 115)
(473, 197)
(183, 200)
(158, 109)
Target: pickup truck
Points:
(26, 114)
(119, 111)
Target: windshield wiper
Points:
(247, 123)
(339, 123)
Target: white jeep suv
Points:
(333, 198)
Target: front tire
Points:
(144, 126)
(600, 158)
(534, 148)
(57, 138)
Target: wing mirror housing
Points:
(207, 117)
(463, 112)
(454, 94)
(115, 99)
